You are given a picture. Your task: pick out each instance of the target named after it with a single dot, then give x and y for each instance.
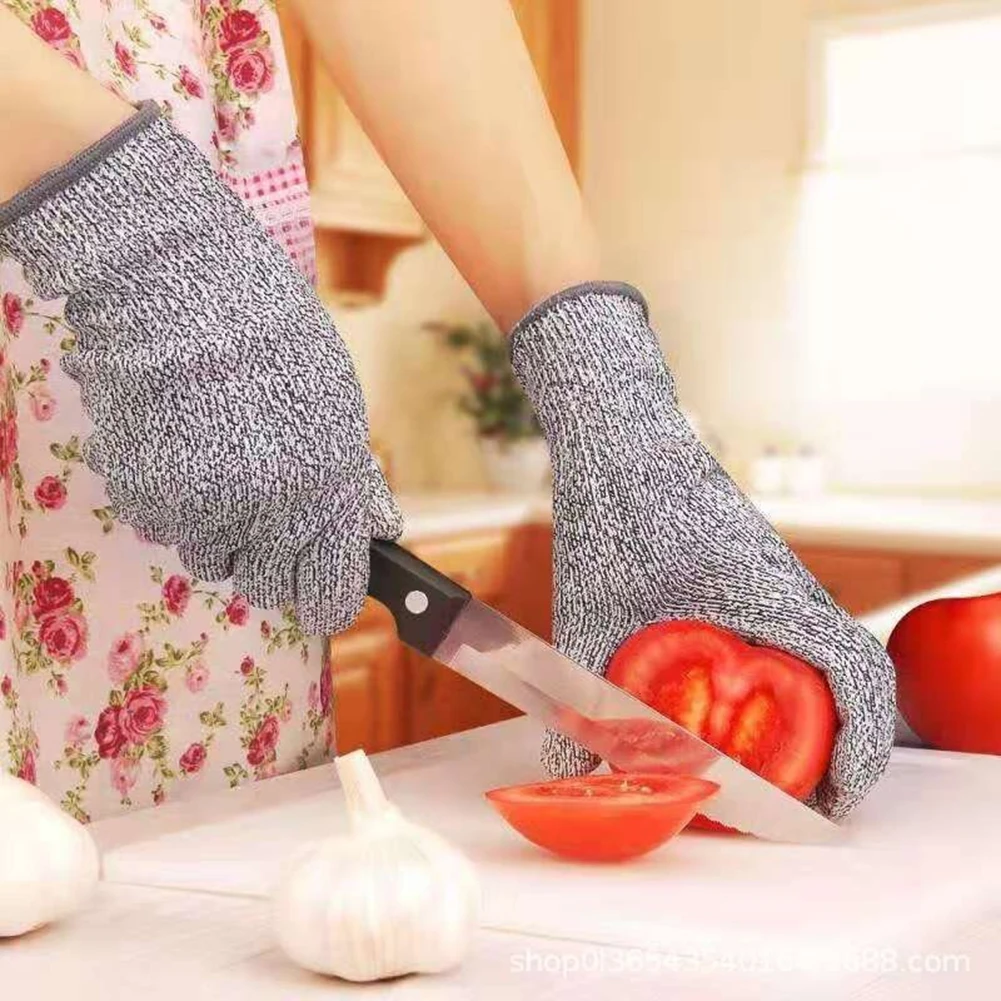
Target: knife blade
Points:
(439, 618)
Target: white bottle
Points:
(768, 472)
(807, 473)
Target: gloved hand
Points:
(649, 528)
(228, 419)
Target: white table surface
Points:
(140, 941)
(141, 944)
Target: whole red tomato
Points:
(768, 710)
(948, 659)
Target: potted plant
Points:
(515, 455)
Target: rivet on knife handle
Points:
(423, 601)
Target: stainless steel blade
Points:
(506, 659)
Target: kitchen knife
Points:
(441, 619)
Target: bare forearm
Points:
(446, 91)
(49, 109)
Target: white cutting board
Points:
(918, 861)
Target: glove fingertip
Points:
(564, 758)
(323, 619)
(332, 582)
(387, 518)
(266, 578)
(208, 563)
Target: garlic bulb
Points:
(48, 861)
(388, 898)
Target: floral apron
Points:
(123, 682)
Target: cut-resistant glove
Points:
(227, 417)
(649, 528)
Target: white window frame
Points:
(824, 28)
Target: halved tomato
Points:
(768, 710)
(602, 818)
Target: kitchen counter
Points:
(900, 523)
(438, 514)
(183, 913)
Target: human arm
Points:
(49, 108)
(447, 93)
(228, 420)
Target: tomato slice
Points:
(602, 818)
(766, 709)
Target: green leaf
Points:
(235, 773)
(156, 747)
(106, 517)
(458, 338)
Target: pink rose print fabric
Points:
(123, 682)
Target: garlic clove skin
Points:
(49, 863)
(390, 898)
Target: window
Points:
(901, 250)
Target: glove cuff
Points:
(576, 292)
(55, 181)
(590, 350)
(144, 189)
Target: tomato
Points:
(766, 709)
(602, 818)
(948, 659)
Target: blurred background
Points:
(808, 192)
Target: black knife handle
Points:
(423, 601)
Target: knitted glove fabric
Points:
(649, 528)
(227, 417)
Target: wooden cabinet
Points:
(925, 572)
(439, 700)
(858, 581)
(862, 580)
(477, 561)
(551, 29)
(386, 695)
(368, 667)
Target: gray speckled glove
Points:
(649, 528)
(228, 419)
